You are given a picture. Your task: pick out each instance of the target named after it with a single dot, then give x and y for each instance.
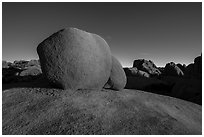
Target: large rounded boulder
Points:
(75, 59)
(117, 80)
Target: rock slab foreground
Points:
(39, 111)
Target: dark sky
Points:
(161, 32)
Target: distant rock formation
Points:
(147, 66)
(194, 70)
(20, 64)
(134, 72)
(75, 59)
(6, 64)
(182, 67)
(19, 71)
(31, 71)
(171, 69)
(117, 80)
(174, 80)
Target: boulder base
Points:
(117, 80)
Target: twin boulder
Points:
(117, 79)
(75, 59)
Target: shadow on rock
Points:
(38, 81)
(149, 84)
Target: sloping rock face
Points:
(38, 111)
(194, 70)
(21, 64)
(147, 66)
(117, 80)
(75, 59)
(171, 69)
(134, 72)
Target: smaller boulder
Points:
(117, 79)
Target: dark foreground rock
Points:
(38, 111)
(185, 88)
(149, 84)
(75, 59)
(188, 89)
